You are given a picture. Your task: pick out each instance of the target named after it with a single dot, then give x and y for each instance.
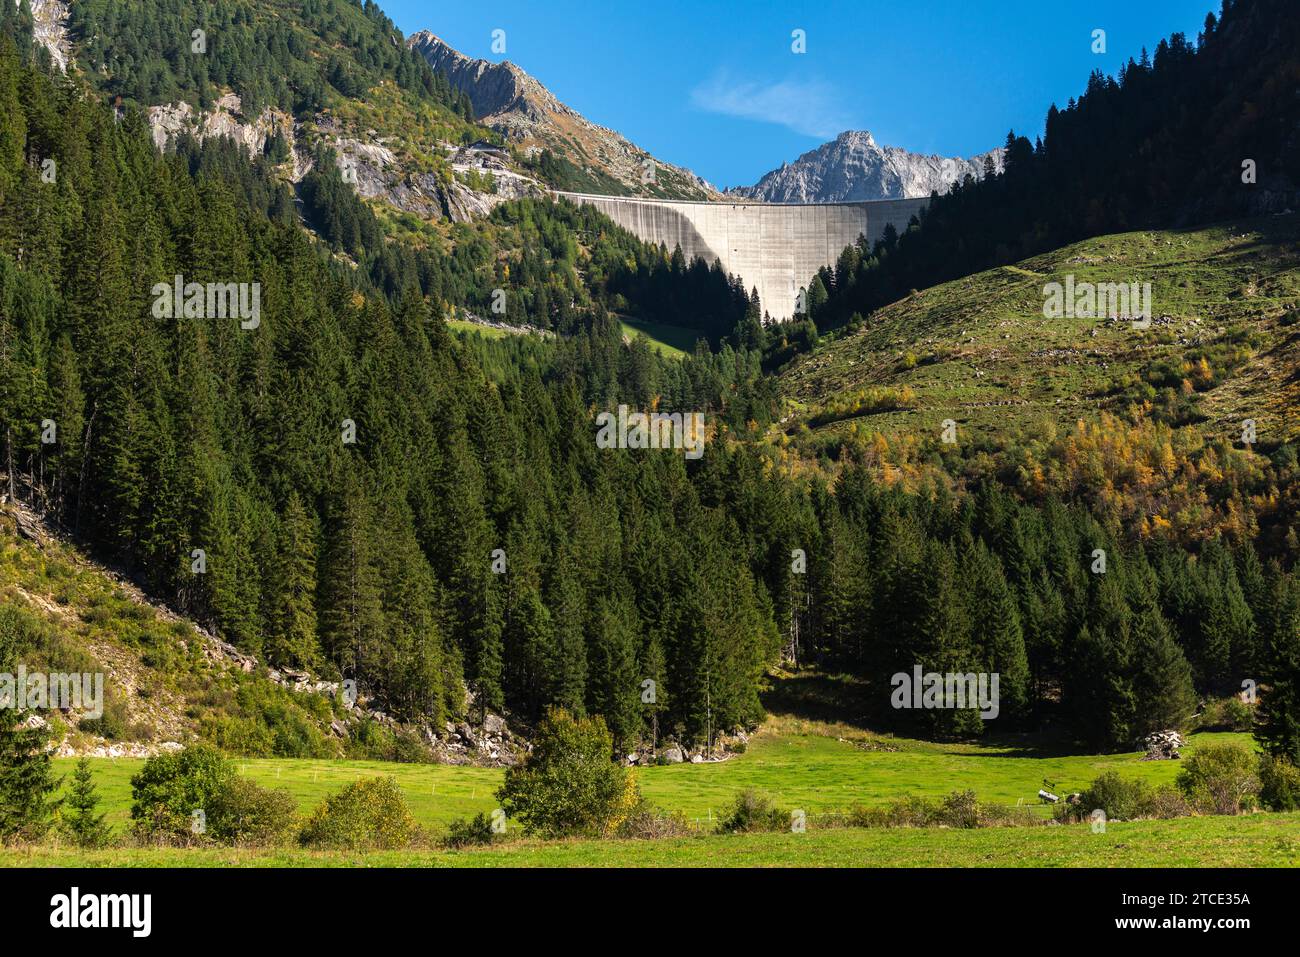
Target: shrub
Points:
(1168, 802)
(476, 831)
(1123, 799)
(960, 809)
(750, 812)
(171, 787)
(1239, 715)
(647, 822)
(370, 813)
(998, 815)
(907, 811)
(568, 784)
(1279, 784)
(1221, 779)
(245, 814)
(1227, 714)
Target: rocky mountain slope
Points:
(168, 681)
(854, 166)
(527, 114)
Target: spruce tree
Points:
(85, 827)
(26, 779)
(292, 636)
(1277, 717)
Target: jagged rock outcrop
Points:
(854, 167)
(50, 30)
(226, 118)
(508, 100)
(372, 166)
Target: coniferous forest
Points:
(350, 488)
(1164, 144)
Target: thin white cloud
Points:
(811, 107)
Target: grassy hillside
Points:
(164, 681)
(671, 341)
(1222, 345)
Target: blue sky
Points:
(716, 87)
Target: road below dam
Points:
(774, 247)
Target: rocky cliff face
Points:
(508, 100)
(854, 167)
(224, 119)
(50, 28)
(378, 172)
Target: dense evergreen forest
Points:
(268, 53)
(347, 486)
(1164, 144)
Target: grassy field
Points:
(1261, 840)
(478, 328)
(671, 341)
(795, 762)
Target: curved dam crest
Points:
(774, 247)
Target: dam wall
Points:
(776, 247)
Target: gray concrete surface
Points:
(777, 248)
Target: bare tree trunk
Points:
(85, 457)
(9, 447)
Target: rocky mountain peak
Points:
(855, 167)
(507, 99)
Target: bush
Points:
(171, 787)
(569, 785)
(751, 812)
(998, 815)
(1221, 779)
(476, 831)
(371, 813)
(242, 813)
(960, 809)
(1227, 714)
(1239, 715)
(1279, 784)
(907, 811)
(1123, 799)
(1168, 802)
(647, 822)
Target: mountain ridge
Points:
(854, 167)
(509, 100)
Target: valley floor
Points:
(1259, 840)
(814, 766)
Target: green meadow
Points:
(1258, 840)
(798, 764)
(671, 341)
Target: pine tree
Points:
(350, 596)
(85, 827)
(1162, 680)
(26, 779)
(292, 636)
(1277, 718)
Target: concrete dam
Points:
(776, 247)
